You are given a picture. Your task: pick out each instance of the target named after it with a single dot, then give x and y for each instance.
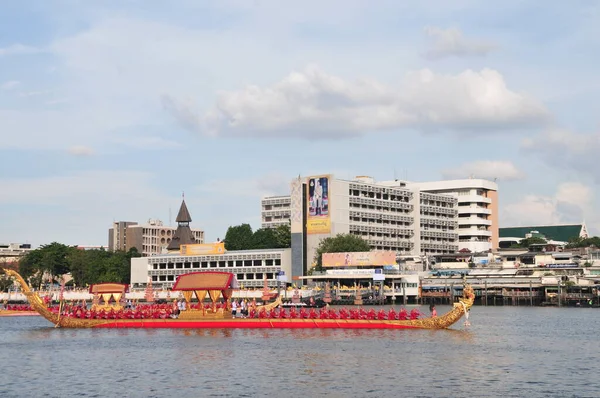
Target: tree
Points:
(239, 237)
(584, 242)
(534, 240)
(264, 238)
(339, 244)
(283, 235)
(5, 282)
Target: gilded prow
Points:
(34, 299)
(451, 317)
(269, 307)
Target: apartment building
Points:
(275, 211)
(392, 216)
(478, 228)
(149, 239)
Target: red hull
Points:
(255, 324)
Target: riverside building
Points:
(185, 254)
(149, 239)
(390, 217)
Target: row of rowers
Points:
(164, 311)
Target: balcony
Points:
(473, 210)
(473, 199)
(473, 221)
(474, 232)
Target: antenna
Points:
(170, 216)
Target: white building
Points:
(250, 266)
(389, 217)
(12, 252)
(275, 211)
(477, 210)
(149, 239)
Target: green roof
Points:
(552, 232)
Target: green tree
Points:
(239, 237)
(264, 238)
(534, 240)
(283, 235)
(584, 242)
(54, 258)
(339, 244)
(5, 282)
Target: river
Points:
(507, 351)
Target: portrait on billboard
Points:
(318, 197)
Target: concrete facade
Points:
(389, 217)
(12, 252)
(149, 239)
(250, 267)
(478, 227)
(275, 211)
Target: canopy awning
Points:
(210, 280)
(109, 287)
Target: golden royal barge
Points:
(219, 285)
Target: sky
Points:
(111, 110)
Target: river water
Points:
(507, 351)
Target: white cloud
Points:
(8, 85)
(313, 104)
(451, 42)
(79, 205)
(572, 202)
(565, 149)
(266, 185)
(486, 169)
(33, 93)
(81, 150)
(18, 49)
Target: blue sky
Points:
(110, 109)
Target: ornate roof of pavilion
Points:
(108, 287)
(183, 234)
(208, 280)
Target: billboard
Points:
(351, 259)
(318, 220)
(201, 249)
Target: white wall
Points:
(139, 270)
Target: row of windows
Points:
(240, 277)
(379, 208)
(218, 264)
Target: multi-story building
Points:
(149, 239)
(477, 210)
(275, 211)
(391, 216)
(11, 252)
(252, 267)
(117, 235)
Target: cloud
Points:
(18, 49)
(9, 85)
(83, 203)
(566, 149)
(80, 150)
(266, 185)
(571, 203)
(33, 93)
(451, 43)
(486, 169)
(312, 104)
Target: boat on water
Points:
(18, 310)
(219, 285)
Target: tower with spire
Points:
(183, 234)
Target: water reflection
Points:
(507, 351)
